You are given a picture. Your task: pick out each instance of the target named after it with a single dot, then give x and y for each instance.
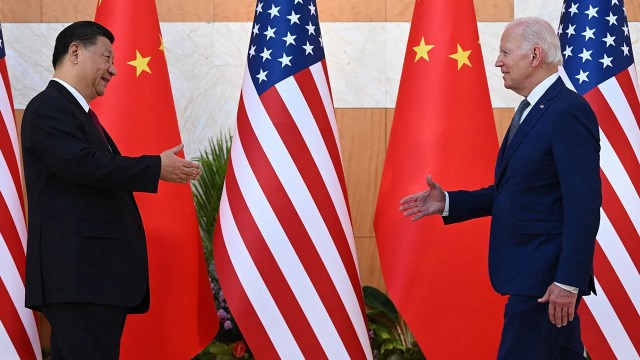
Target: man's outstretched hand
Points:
(428, 202)
(176, 169)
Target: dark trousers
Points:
(85, 331)
(528, 334)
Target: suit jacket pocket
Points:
(94, 229)
(539, 227)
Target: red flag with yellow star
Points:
(443, 125)
(138, 112)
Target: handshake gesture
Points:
(176, 169)
(428, 202)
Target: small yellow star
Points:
(462, 57)
(161, 43)
(141, 63)
(422, 50)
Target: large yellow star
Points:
(161, 43)
(462, 57)
(422, 50)
(141, 63)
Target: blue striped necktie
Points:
(515, 122)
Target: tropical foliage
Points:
(390, 336)
(207, 191)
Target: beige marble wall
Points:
(207, 60)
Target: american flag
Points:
(284, 245)
(598, 64)
(18, 331)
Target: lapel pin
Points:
(541, 106)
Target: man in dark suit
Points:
(86, 250)
(544, 202)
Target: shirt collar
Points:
(539, 90)
(75, 93)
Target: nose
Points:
(112, 70)
(499, 62)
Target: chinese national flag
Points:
(138, 112)
(443, 125)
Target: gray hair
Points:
(537, 31)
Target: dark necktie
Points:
(515, 122)
(96, 123)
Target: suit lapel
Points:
(529, 122)
(95, 140)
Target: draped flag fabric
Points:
(283, 244)
(138, 112)
(599, 65)
(443, 125)
(18, 331)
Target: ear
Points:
(74, 52)
(536, 56)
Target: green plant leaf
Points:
(377, 300)
(207, 190)
(218, 348)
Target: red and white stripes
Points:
(284, 246)
(613, 316)
(18, 330)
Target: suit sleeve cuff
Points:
(446, 204)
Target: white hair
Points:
(536, 31)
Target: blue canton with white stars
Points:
(2, 52)
(595, 41)
(285, 39)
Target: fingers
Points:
(409, 208)
(412, 208)
(564, 316)
(190, 170)
(187, 164)
(557, 316)
(560, 316)
(408, 200)
(572, 313)
(176, 169)
(410, 211)
(415, 211)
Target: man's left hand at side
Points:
(562, 304)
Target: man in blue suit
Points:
(544, 202)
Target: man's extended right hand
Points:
(176, 169)
(428, 202)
